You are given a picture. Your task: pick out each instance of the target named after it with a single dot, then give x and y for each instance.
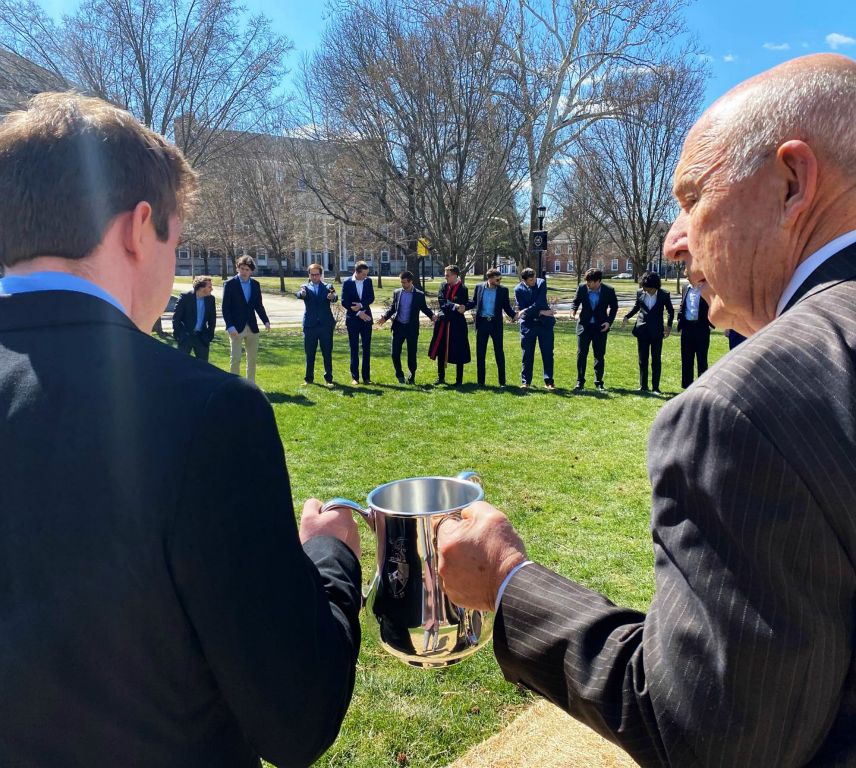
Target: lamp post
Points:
(542, 212)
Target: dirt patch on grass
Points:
(545, 737)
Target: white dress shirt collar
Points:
(802, 272)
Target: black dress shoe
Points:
(600, 387)
(578, 387)
(410, 379)
(642, 389)
(400, 379)
(438, 382)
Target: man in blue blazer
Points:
(490, 300)
(318, 322)
(242, 301)
(357, 297)
(598, 307)
(407, 302)
(537, 321)
(194, 318)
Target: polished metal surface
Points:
(418, 623)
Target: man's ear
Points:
(798, 164)
(139, 227)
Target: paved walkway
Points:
(545, 737)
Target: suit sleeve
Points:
(613, 307)
(506, 306)
(636, 307)
(226, 307)
(670, 310)
(179, 327)
(425, 309)
(681, 310)
(210, 318)
(392, 309)
(749, 632)
(260, 307)
(278, 623)
(474, 301)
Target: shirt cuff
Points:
(505, 583)
(230, 329)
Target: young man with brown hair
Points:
(242, 301)
(131, 603)
(194, 318)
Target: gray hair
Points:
(816, 105)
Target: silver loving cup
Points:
(418, 623)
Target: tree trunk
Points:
(281, 274)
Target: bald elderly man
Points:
(746, 655)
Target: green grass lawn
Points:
(568, 468)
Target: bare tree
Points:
(221, 211)
(413, 101)
(566, 57)
(189, 69)
(626, 165)
(578, 220)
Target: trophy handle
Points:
(470, 476)
(341, 503)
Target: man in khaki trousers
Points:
(242, 301)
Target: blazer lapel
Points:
(836, 269)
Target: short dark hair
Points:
(315, 266)
(453, 268)
(650, 280)
(492, 273)
(361, 265)
(406, 275)
(527, 273)
(69, 164)
(246, 260)
(200, 281)
(593, 275)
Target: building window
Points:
(384, 257)
(614, 265)
(557, 266)
(628, 265)
(183, 253)
(600, 264)
(570, 267)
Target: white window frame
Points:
(614, 265)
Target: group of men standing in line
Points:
(596, 303)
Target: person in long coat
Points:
(450, 343)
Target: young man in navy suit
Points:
(407, 302)
(242, 301)
(194, 318)
(357, 297)
(490, 301)
(537, 321)
(598, 306)
(651, 302)
(318, 322)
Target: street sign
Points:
(422, 247)
(538, 240)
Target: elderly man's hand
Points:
(334, 522)
(476, 554)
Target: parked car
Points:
(624, 276)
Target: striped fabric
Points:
(746, 656)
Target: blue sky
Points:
(741, 37)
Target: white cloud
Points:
(729, 57)
(836, 40)
(777, 46)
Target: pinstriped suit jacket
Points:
(746, 656)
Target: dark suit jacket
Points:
(418, 304)
(746, 656)
(184, 318)
(349, 297)
(530, 302)
(703, 322)
(605, 312)
(650, 321)
(152, 613)
(237, 311)
(502, 302)
(319, 309)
